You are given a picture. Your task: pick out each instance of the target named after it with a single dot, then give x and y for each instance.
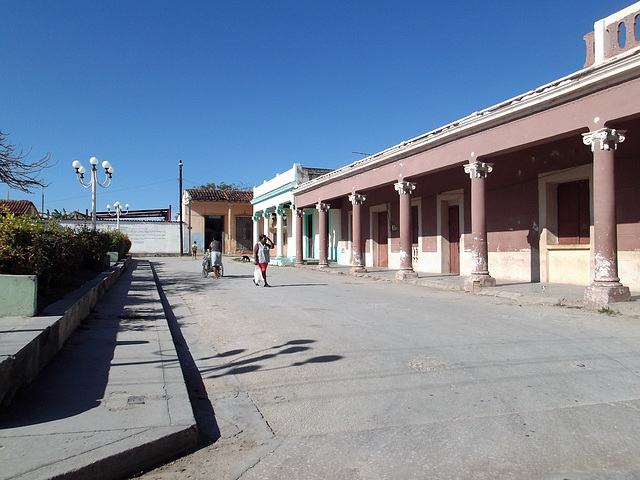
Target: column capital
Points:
(357, 198)
(280, 209)
(299, 212)
(256, 216)
(404, 188)
(478, 169)
(608, 138)
(322, 207)
(266, 213)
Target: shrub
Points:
(18, 238)
(119, 243)
(94, 245)
(29, 246)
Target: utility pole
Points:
(180, 207)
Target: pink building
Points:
(543, 187)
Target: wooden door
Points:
(454, 240)
(383, 239)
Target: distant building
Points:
(19, 207)
(273, 210)
(543, 187)
(207, 213)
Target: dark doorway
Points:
(309, 234)
(573, 213)
(213, 225)
(383, 237)
(454, 240)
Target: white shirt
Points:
(263, 253)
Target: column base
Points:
(601, 295)
(358, 269)
(404, 274)
(475, 283)
(322, 266)
(283, 261)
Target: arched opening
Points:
(622, 34)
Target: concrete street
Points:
(329, 376)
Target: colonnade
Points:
(606, 286)
(280, 212)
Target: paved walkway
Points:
(114, 398)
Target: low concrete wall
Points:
(18, 295)
(34, 341)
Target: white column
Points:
(267, 219)
(292, 231)
(279, 242)
(256, 229)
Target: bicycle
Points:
(207, 268)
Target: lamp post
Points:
(180, 206)
(118, 208)
(80, 171)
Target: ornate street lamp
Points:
(118, 208)
(80, 171)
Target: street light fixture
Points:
(118, 208)
(80, 171)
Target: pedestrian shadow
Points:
(300, 285)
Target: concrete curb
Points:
(527, 297)
(31, 342)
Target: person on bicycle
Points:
(216, 254)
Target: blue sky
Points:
(241, 90)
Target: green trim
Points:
(273, 193)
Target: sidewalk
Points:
(113, 400)
(520, 292)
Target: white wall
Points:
(147, 237)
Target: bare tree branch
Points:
(18, 173)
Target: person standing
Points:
(216, 254)
(194, 250)
(261, 256)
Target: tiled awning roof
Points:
(19, 207)
(202, 195)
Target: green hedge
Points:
(119, 243)
(30, 246)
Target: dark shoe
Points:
(267, 285)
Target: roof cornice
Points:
(566, 89)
